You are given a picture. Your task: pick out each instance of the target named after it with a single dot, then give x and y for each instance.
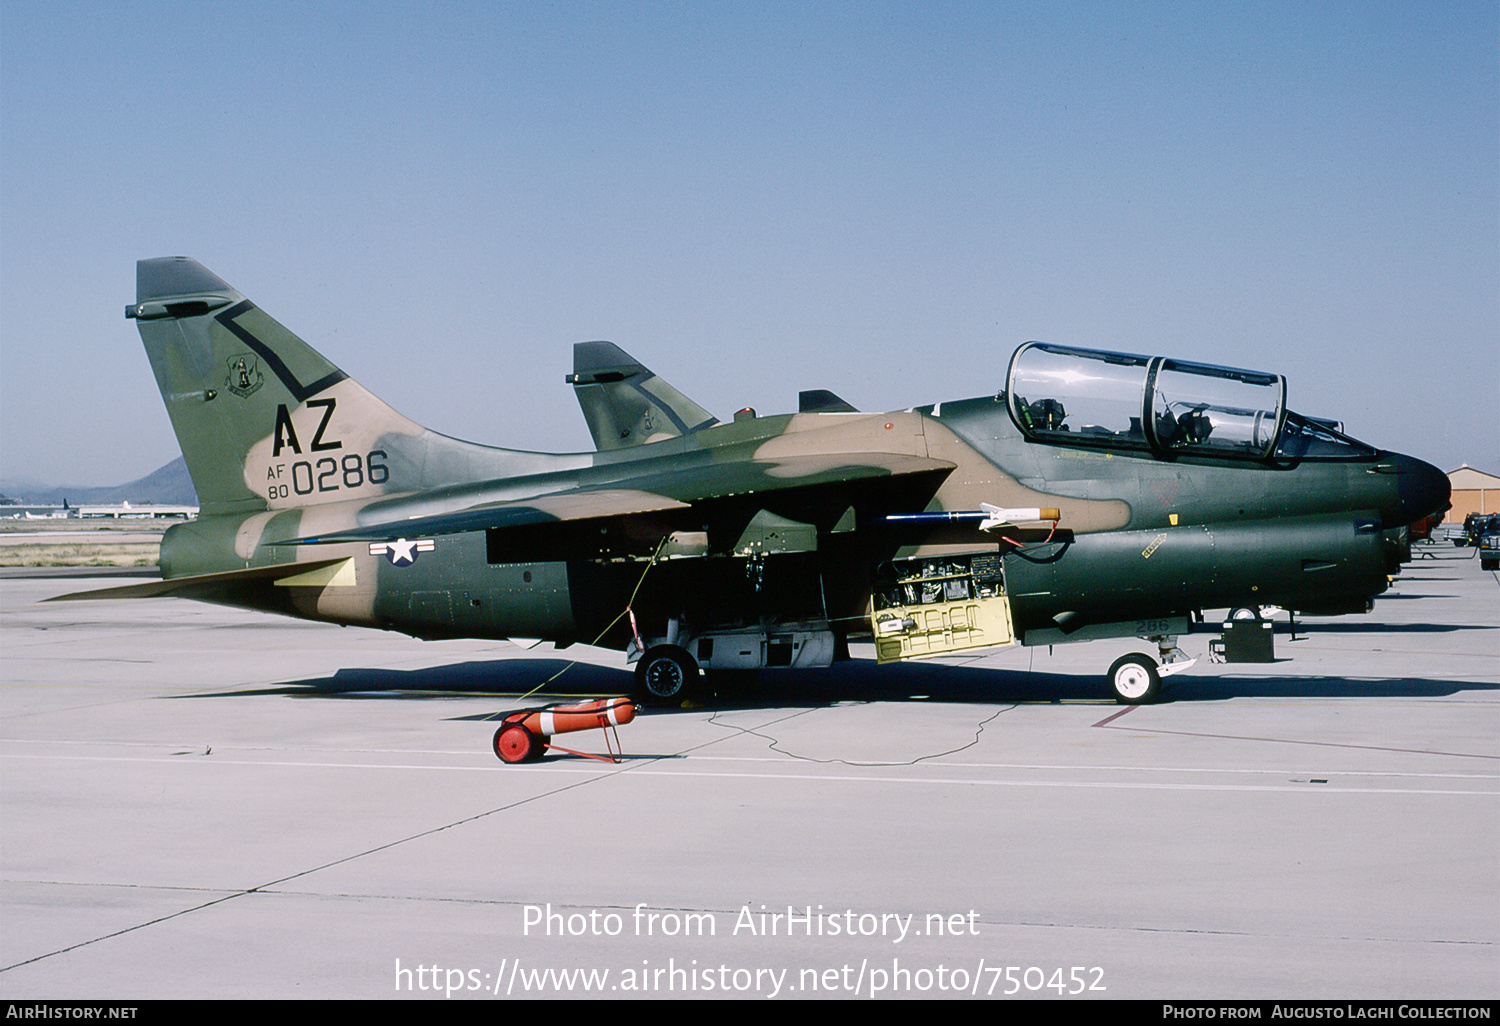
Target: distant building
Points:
(125, 510)
(1474, 491)
(32, 511)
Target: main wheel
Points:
(514, 743)
(1245, 613)
(1134, 680)
(665, 675)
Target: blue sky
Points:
(880, 199)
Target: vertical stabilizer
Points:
(265, 421)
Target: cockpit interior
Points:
(1095, 399)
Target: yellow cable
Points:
(607, 629)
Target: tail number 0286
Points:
(330, 475)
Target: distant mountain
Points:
(168, 486)
(20, 487)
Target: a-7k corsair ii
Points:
(1090, 495)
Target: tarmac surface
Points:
(116, 537)
(199, 802)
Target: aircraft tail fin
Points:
(626, 404)
(267, 422)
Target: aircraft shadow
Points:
(861, 680)
(858, 680)
(510, 677)
(1218, 689)
(1305, 628)
(1384, 628)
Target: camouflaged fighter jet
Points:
(1091, 495)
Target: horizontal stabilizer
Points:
(192, 586)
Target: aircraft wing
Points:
(649, 493)
(576, 504)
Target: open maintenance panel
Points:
(927, 607)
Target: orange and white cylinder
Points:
(564, 719)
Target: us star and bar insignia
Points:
(402, 551)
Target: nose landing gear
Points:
(1135, 679)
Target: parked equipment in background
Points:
(1245, 641)
(1489, 547)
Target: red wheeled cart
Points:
(525, 735)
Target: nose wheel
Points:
(1134, 679)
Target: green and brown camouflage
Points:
(1090, 495)
(624, 403)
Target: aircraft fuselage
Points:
(1094, 494)
(1139, 538)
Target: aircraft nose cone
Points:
(1422, 489)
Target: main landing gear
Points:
(1135, 679)
(666, 675)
